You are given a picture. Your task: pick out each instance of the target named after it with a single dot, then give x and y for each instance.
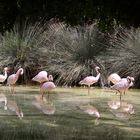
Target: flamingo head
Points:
(50, 78)
(97, 69)
(130, 79)
(21, 71)
(6, 69)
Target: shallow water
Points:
(66, 120)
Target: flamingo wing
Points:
(88, 80)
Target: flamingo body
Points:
(89, 80)
(47, 86)
(3, 77)
(122, 85)
(12, 79)
(114, 78)
(41, 77)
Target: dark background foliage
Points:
(74, 12)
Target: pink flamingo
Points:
(12, 79)
(122, 85)
(115, 78)
(89, 80)
(4, 77)
(41, 77)
(47, 86)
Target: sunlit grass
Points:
(68, 122)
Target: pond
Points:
(65, 119)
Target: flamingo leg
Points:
(13, 89)
(41, 94)
(40, 86)
(88, 90)
(124, 93)
(10, 88)
(120, 98)
(48, 97)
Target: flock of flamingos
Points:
(120, 85)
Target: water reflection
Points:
(43, 105)
(3, 99)
(91, 110)
(122, 110)
(12, 106)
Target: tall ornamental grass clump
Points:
(20, 47)
(123, 54)
(73, 52)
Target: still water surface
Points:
(64, 116)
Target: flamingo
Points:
(114, 78)
(41, 77)
(12, 79)
(4, 77)
(47, 86)
(89, 80)
(122, 85)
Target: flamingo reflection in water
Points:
(91, 110)
(12, 106)
(3, 99)
(44, 106)
(121, 110)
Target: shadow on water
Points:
(68, 122)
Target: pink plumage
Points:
(114, 78)
(12, 79)
(4, 77)
(41, 77)
(123, 85)
(47, 86)
(89, 80)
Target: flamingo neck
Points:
(129, 81)
(5, 74)
(98, 74)
(19, 72)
